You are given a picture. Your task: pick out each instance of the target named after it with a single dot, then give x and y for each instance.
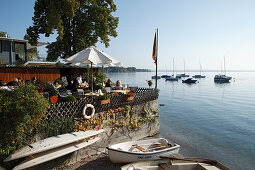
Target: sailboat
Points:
(165, 75)
(199, 75)
(222, 78)
(182, 75)
(172, 78)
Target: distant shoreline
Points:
(124, 70)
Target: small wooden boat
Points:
(136, 151)
(171, 163)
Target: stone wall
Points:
(122, 134)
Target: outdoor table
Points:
(91, 94)
(116, 92)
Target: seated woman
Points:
(108, 83)
(118, 85)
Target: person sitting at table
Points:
(34, 80)
(79, 81)
(15, 82)
(118, 85)
(108, 83)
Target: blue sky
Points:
(192, 30)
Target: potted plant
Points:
(104, 99)
(129, 96)
(53, 95)
(149, 82)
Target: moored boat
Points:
(189, 80)
(136, 151)
(154, 77)
(164, 76)
(222, 78)
(177, 164)
(171, 78)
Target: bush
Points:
(104, 97)
(87, 91)
(21, 112)
(70, 98)
(129, 94)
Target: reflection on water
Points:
(208, 119)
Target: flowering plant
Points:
(149, 82)
(104, 97)
(130, 94)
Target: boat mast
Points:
(184, 66)
(224, 66)
(173, 66)
(200, 68)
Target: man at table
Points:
(79, 81)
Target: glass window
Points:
(0, 46)
(20, 52)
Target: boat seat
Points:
(141, 148)
(161, 146)
(120, 149)
(165, 166)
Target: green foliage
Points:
(130, 94)
(104, 97)
(2, 34)
(21, 112)
(31, 53)
(99, 86)
(78, 23)
(87, 91)
(52, 91)
(70, 98)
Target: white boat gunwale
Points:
(146, 153)
(174, 146)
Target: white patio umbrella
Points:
(92, 56)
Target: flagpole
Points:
(156, 85)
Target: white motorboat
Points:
(143, 150)
(177, 164)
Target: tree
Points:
(3, 34)
(31, 53)
(78, 23)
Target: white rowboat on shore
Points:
(176, 164)
(51, 143)
(136, 151)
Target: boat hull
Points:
(124, 156)
(54, 153)
(51, 143)
(177, 164)
(198, 76)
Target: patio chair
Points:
(108, 89)
(62, 92)
(79, 93)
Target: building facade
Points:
(13, 51)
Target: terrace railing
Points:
(74, 109)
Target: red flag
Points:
(154, 51)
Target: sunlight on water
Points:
(207, 119)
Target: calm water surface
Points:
(207, 119)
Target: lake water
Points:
(207, 119)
